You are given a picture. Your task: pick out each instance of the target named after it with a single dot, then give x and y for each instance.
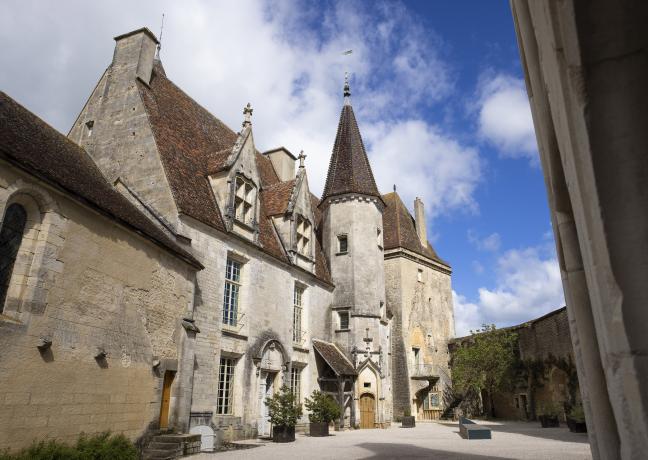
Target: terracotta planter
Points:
(283, 434)
(409, 421)
(319, 429)
(549, 421)
(576, 427)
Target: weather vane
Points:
(159, 47)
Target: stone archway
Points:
(271, 368)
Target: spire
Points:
(349, 168)
(347, 89)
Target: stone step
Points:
(157, 445)
(176, 438)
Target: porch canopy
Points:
(334, 357)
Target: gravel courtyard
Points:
(511, 440)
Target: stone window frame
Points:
(379, 238)
(37, 265)
(244, 197)
(296, 382)
(342, 250)
(341, 314)
(298, 333)
(303, 236)
(225, 386)
(233, 284)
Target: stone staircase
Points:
(171, 446)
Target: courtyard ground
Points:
(511, 440)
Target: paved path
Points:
(511, 440)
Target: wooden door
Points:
(367, 411)
(166, 399)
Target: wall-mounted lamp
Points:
(101, 354)
(44, 344)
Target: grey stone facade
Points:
(210, 189)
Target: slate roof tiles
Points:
(33, 145)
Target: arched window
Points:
(11, 235)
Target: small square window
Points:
(367, 384)
(343, 244)
(344, 319)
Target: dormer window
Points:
(244, 201)
(303, 237)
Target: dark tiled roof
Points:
(33, 145)
(277, 197)
(187, 138)
(349, 170)
(334, 357)
(399, 229)
(193, 144)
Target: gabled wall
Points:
(120, 139)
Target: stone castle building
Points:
(341, 293)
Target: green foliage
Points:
(283, 409)
(549, 409)
(487, 362)
(407, 412)
(577, 414)
(98, 447)
(323, 408)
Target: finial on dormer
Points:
(301, 158)
(247, 114)
(394, 187)
(347, 89)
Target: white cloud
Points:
(489, 243)
(283, 57)
(528, 285)
(423, 161)
(505, 117)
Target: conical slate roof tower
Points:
(349, 170)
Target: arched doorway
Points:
(367, 411)
(270, 374)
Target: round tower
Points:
(352, 236)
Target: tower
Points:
(352, 235)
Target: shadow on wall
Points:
(392, 450)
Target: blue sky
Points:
(437, 89)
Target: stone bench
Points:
(470, 430)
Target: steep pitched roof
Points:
(334, 357)
(33, 145)
(193, 144)
(399, 229)
(277, 197)
(349, 170)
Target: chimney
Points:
(419, 216)
(134, 54)
(283, 162)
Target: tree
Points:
(487, 361)
(323, 408)
(283, 409)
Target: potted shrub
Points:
(548, 415)
(409, 421)
(283, 412)
(323, 410)
(576, 419)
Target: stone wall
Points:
(421, 303)
(546, 344)
(104, 287)
(266, 309)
